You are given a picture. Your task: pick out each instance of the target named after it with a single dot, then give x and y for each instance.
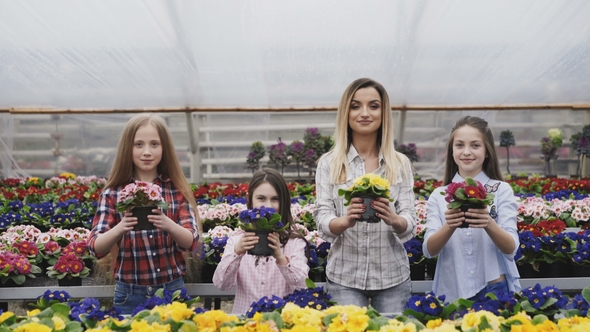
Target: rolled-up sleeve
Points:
(188, 219)
(405, 205)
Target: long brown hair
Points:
(490, 165)
(276, 180)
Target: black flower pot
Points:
(418, 272)
(141, 213)
(11, 283)
(207, 272)
(261, 248)
(67, 281)
(466, 206)
(370, 214)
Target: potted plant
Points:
(257, 152)
(507, 140)
(368, 187)
(69, 270)
(465, 195)
(584, 148)
(262, 221)
(214, 242)
(15, 269)
(297, 151)
(549, 146)
(410, 150)
(141, 198)
(278, 154)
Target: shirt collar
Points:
(352, 153)
(481, 177)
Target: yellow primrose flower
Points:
(521, 317)
(397, 326)
(212, 320)
(100, 329)
(33, 327)
(58, 323)
(575, 323)
(547, 326)
(33, 312)
(144, 326)
(379, 181)
(176, 310)
(293, 314)
(446, 326)
(68, 175)
(6, 315)
(473, 319)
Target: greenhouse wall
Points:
(46, 145)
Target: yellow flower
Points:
(176, 310)
(575, 323)
(397, 326)
(100, 329)
(144, 326)
(6, 315)
(554, 132)
(379, 181)
(473, 319)
(33, 312)
(58, 323)
(212, 320)
(68, 175)
(33, 327)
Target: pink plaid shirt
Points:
(266, 279)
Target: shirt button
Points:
(154, 254)
(471, 272)
(469, 252)
(159, 270)
(151, 236)
(150, 289)
(262, 283)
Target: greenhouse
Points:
(233, 79)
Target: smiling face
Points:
(147, 153)
(265, 195)
(364, 117)
(469, 151)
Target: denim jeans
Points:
(129, 296)
(390, 300)
(497, 287)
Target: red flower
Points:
(474, 192)
(51, 247)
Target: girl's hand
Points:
(275, 245)
(126, 224)
(478, 218)
(246, 242)
(454, 217)
(161, 221)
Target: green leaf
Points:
(328, 319)
(309, 283)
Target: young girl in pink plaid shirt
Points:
(280, 274)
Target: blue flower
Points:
(15, 205)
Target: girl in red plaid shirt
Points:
(146, 260)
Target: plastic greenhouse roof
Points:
(105, 54)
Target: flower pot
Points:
(317, 276)
(418, 271)
(370, 214)
(207, 272)
(580, 270)
(141, 213)
(68, 281)
(261, 248)
(11, 283)
(466, 206)
(430, 270)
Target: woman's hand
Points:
(384, 211)
(126, 224)
(454, 217)
(161, 221)
(246, 242)
(277, 252)
(478, 218)
(355, 209)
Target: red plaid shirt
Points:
(148, 257)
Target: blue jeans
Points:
(390, 300)
(496, 288)
(129, 296)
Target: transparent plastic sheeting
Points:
(89, 141)
(131, 54)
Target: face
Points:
(469, 151)
(147, 153)
(265, 195)
(365, 111)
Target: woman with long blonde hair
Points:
(367, 263)
(147, 260)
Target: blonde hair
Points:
(385, 135)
